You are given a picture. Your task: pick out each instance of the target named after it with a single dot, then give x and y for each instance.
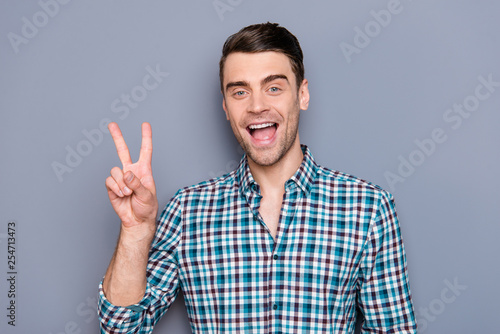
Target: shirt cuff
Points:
(121, 319)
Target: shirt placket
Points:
(277, 258)
(253, 199)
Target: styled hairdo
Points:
(265, 37)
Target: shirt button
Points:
(275, 306)
(275, 256)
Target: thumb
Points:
(134, 184)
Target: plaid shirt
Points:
(338, 248)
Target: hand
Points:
(132, 190)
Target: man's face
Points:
(262, 103)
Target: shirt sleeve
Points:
(162, 281)
(384, 293)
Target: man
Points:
(280, 245)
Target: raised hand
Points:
(132, 193)
(131, 189)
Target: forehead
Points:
(253, 67)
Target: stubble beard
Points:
(271, 156)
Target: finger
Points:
(113, 189)
(133, 182)
(121, 146)
(117, 175)
(146, 153)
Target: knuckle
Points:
(110, 181)
(115, 170)
(136, 183)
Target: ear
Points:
(304, 95)
(224, 106)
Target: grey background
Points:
(364, 115)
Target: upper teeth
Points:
(260, 126)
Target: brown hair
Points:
(265, 37)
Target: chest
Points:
(270, 210)
(228, 263)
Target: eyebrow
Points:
(273, 77)
(264, 81)
(237, 84)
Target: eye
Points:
(239, 93)
(274, 89)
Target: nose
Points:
(257, 103)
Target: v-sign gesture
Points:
(131, 189)
(132, 193)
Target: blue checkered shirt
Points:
(338, 248)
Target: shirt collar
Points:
(303, 178)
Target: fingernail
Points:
(120, 193)
(127, 191)
(130, 177)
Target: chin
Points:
(264, 162)
(265, 159)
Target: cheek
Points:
(234, 109)
(236, 122)
(289, 110)
(237, 113)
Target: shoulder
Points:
(198, 195)
(338, 181)
(219, 185)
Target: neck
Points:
(271, 179)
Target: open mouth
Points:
(264, 131)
